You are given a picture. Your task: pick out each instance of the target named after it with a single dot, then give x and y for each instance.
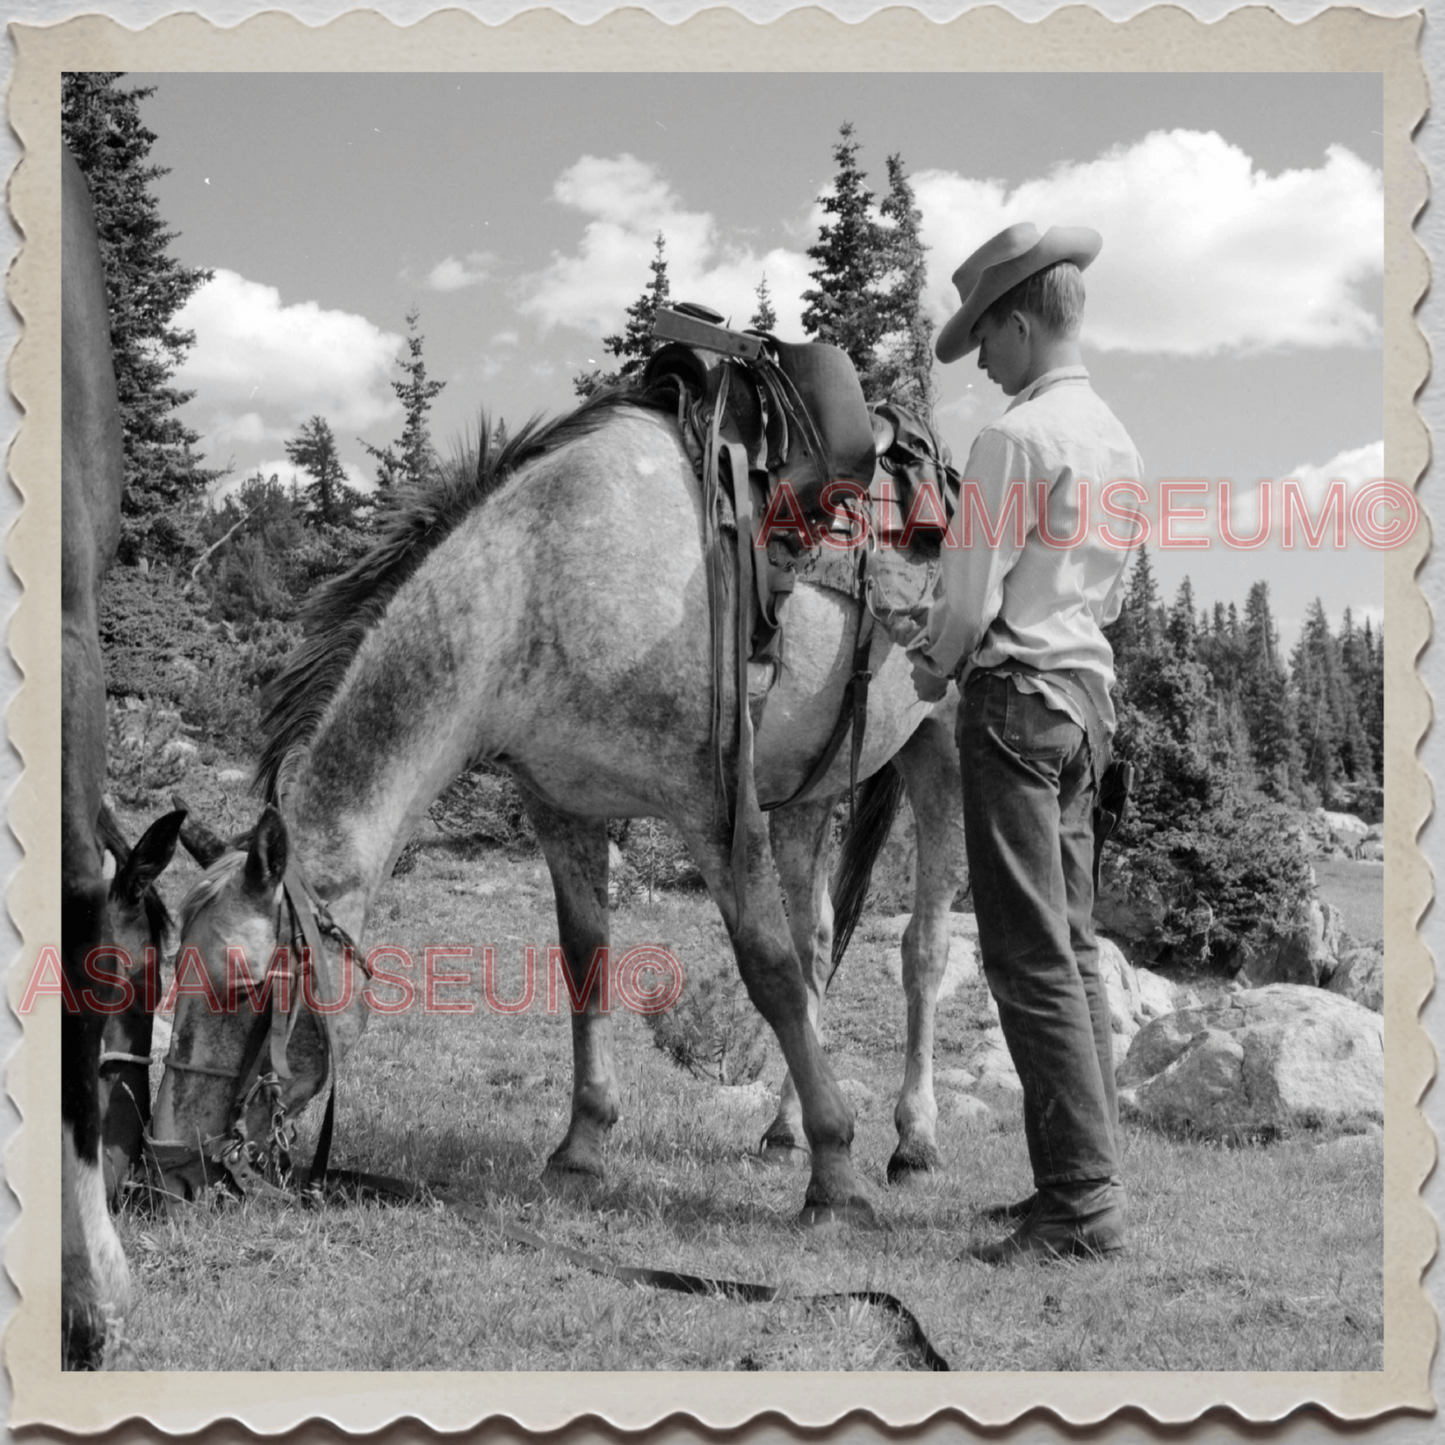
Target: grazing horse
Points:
(139, 922)
(561, 630)
(95, 1283)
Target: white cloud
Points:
(506, 338)
(1356, 467)
(260, 368)
(1202, 252)
(451, 274)
(628, 203)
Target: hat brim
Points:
(1079, 244)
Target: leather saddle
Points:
(797, 410)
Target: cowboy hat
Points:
(1014, 255)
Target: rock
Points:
(180, 750)
(960, 925)
(1360, 975)
(231, 777)
(1263, 1061)
(962, 964)
(1121, 1048)
(1131, 912)
(742, 1098)
(1305, 952)
(973, 1113)
(1136, 995)
(1371, 851)
(1343, 825)
(995, 1067)
(859, 1095)
(1122, 986)
(954, 1078)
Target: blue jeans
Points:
(1028, 803)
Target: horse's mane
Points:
(338, 616)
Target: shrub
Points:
(713, 1031)
(153, 634)
(146, 750)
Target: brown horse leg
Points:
(800, 849)
(774, 981)
(929, 764)
(576, 852)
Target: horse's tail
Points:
(878, 801)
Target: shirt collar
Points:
(1048, 379)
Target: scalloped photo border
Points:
(1078, 38)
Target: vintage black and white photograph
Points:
(723, 722)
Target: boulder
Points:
(1264, 1061)
(1129, 911)
(973, 1113)
(1359, 974)
(960, 925)
(995, 1068)
(962, 962)
(859, 1096)
(1304, 952)
(1136, 995)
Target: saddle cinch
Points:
(792, 419)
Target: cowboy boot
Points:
(1071, 1221)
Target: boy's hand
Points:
(928, 685)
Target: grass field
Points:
(1263, 1258)
(1357, 889)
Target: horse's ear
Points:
(150, 857)
(266, 855)
(202, 844)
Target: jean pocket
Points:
(1034, 730)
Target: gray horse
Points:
(549, 613)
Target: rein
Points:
(250, 1164)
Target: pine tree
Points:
(1137, 628)
(1268, 702)
(1180, 629)
(411, 459)
(904, 369)
(330, 500)
(145, 287)
(1330, 735)
(764, 318)
(635, 344)
(851, 258)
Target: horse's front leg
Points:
(801, 850)
(576, 853)
(752, 909)
(929, 764)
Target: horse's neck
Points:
(354, 814)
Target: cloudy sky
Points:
(1233, 318)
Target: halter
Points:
(247, 1161)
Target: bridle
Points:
(264, 1165)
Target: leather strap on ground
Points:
(913, 1335)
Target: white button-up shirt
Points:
(1046, 603)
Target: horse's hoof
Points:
(783, 1153)
(569, 1172)
(914, 1164)
(855, 1213)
